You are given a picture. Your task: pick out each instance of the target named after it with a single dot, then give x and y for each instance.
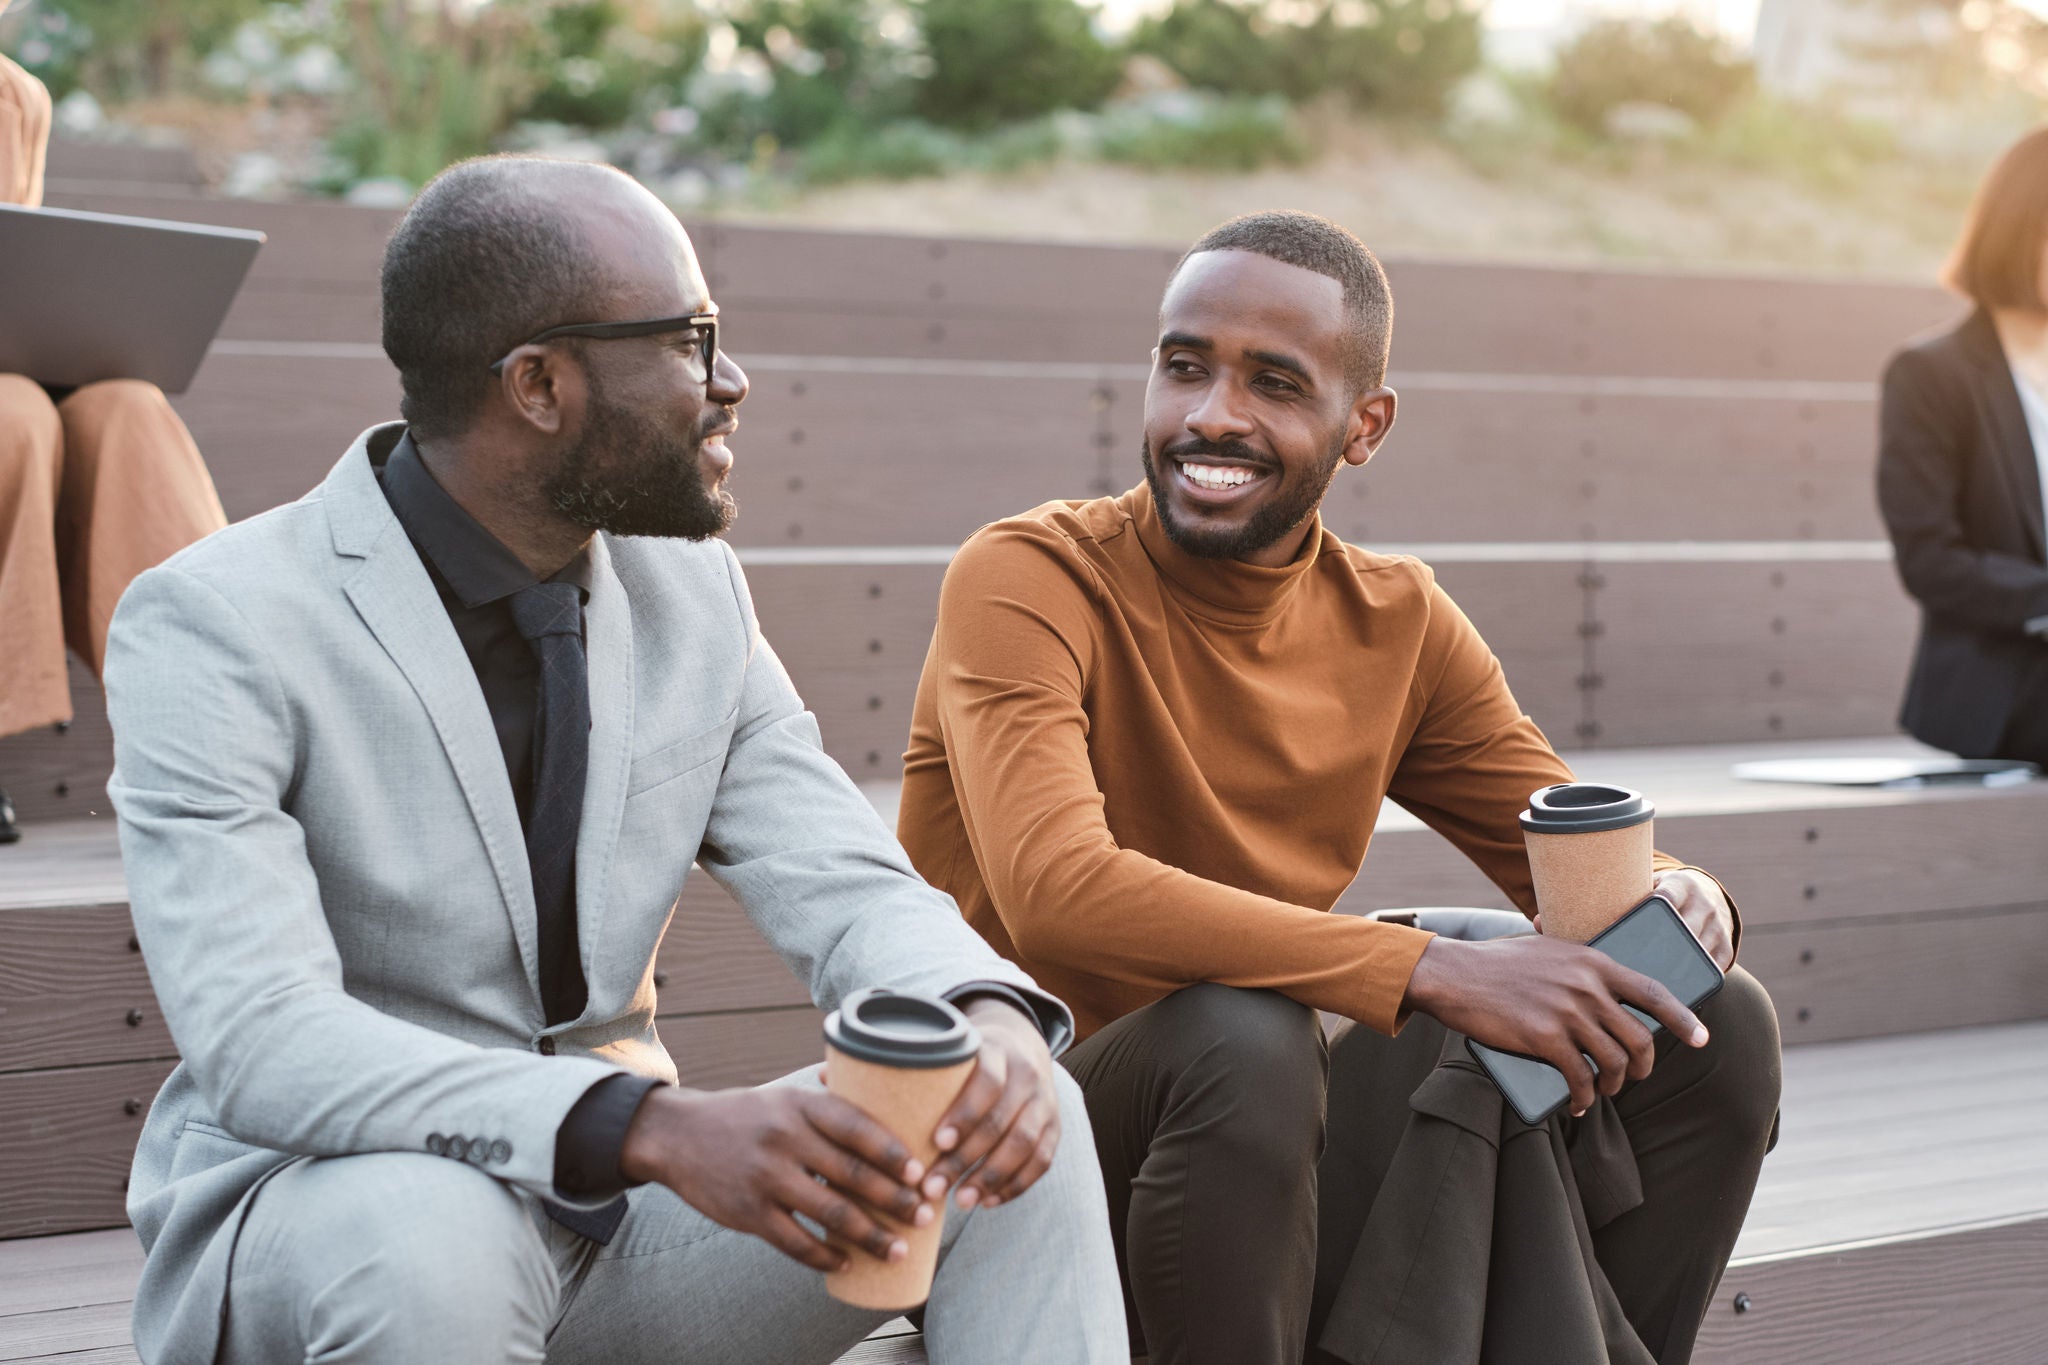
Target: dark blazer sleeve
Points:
(1927, 419)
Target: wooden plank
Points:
(1862, 978)
(42, 1274)
(748, 1047)
(56, 773)
(62, 1332)
(69, 1136)
(271, 427)
(712, 959)
(1970, 1296)
(74, 991)
(309, 240)
(1703, 653)
(158, 169)
(869, 459)
(1499, 465)
(102, 1355)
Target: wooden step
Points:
(1865, 912)
(1902, 1220)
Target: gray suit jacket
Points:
(329, 880)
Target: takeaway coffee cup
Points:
(901, 1057)
(1589, 848)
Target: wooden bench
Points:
(1903, 1220)
(1675, 546)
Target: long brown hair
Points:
(1997, 259)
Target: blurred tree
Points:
(831, 63)
(613, 58)
(1397, 55)
(993, 61)
(1624, 61)
(436, 80)
(127, 48)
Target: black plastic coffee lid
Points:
(1585, 808)
(901, 1028)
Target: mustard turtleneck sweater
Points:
(1136, 769)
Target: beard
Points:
(1288, 506)
(630, 476)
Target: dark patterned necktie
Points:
(550, 616)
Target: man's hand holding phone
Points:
(1546, 998)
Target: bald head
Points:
(498, 249)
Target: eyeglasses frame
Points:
(707, 323)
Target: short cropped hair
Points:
(479, 264)
(1997, 260)
(1316, 243)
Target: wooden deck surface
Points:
(1886, 1141)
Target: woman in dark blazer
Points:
(1961, 467)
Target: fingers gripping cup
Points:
(903, 1058)
(1589, 850)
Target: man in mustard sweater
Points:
(1150, 743)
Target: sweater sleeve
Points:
(1016, 639)
(1475, 758)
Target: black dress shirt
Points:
(476, 576)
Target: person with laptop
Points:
(1149, 746)
(96, 485)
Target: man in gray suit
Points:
(409, 775)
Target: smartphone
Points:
(1650, 939)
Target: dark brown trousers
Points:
(1209, 1108)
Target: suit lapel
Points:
(1999, 396)
(608, 645)
(397, 601)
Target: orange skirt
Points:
(93, 490)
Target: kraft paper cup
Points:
(902, 1058)
(1589, 850)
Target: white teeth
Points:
(1216, 477)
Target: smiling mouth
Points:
(1217, 478)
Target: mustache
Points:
(1195, 446)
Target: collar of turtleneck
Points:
(1229, 590)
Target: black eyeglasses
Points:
(704, 323)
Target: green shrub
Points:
(118, 49)
(435, 85)
(612, 59)
(1204, 133)
(904, 150)
(833, 65)
(1623, 61)
(998, 61)
(1402, 56)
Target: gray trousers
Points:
(403, 1259)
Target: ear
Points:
(543, 388)
(1371, 418)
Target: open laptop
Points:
(91, 296)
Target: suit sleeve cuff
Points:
(1050, 1017)
(588, 1144)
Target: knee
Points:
(1257, 1075)
(29, 428)
(410, 1249)
(1261, 1038)
(1743, 1066)
(94, 407)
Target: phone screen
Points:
(1650, 939)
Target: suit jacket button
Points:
(547, 1047)
(436, 1143)
(479, 1151)
(458, 1146)
(501, 1151)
